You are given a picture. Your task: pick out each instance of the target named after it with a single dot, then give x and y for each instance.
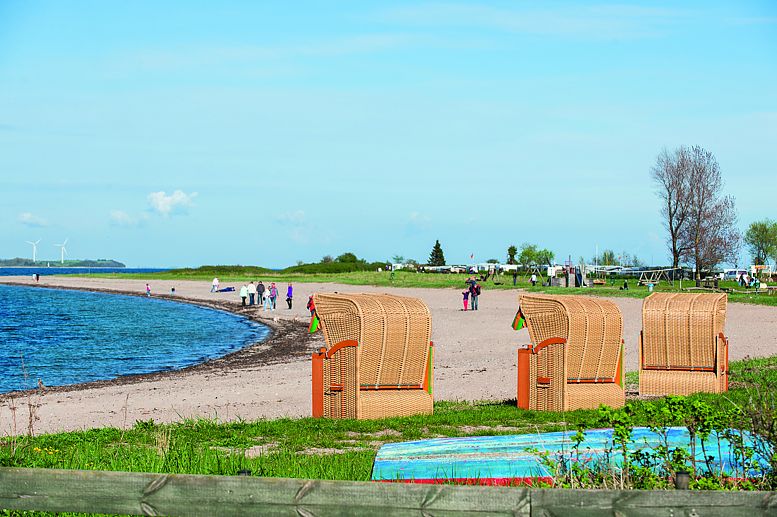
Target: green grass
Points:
(304, 448)
(307, 447)
(239, 274)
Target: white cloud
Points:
(597, 22)
(416, 223)
(295, 218)
(208, 55)
(176, 203)
(29, 219)
(122, 218)
(300, 230)
(419, 220)
(756, 20)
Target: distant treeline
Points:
(222, 270)
(22, 262)
(345, 263)
(335, 267)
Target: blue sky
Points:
(187, 133)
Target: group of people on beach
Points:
(472, 292)
(266, 296)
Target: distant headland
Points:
(22, 262)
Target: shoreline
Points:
(474, 360)
(289, 336)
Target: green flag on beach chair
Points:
(313, 323)
(519, 321)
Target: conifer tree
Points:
(437, 258)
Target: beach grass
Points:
(407, 279)
(315, 448)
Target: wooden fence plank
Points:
(652, 503)
(173, 494)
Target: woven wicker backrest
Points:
(679, 330)
(393, 333)
(593, 328)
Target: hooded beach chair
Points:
(682, 346)
(575, 360)
(378, 357)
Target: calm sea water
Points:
(67, 337)
(28, 271)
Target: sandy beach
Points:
(474, 359)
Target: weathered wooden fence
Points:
(174, 494)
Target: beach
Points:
(475, 358)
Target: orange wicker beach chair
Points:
(575, 360)
(378, 357)
(682, 346)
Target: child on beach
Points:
(465, 293)
(148, 290)
(289, 293)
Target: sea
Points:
(61, 337)
(29, 271)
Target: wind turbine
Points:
(62, 251)
(34, 248)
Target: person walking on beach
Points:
(289, 292)
(260, 293)
(251, 293)
(273, 295)
(148, 290)
(465, 294)
(267, 300)
(311, 305)
(244, 294)
(214, 286)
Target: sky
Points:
(166, 134)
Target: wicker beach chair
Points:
(378, 357)
(682, 346)
(575, 360)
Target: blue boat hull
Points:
(528, 458)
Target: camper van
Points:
(733, 274)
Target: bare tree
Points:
(709, 235)
(670, 175)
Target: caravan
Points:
(733, 274)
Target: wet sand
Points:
(475, 356)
